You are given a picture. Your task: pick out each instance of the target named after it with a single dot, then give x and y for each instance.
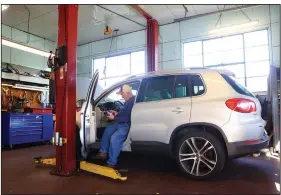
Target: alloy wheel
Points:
(197, 156)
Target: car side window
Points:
(198, 87)
(158, 88)
(182, 86)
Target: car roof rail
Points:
(167, 71)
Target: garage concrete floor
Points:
(147, 175)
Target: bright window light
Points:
(246, 55)
(24, 48)
(253, 54)
(256, 38)
(234, 27)
(138, 62)
(119, 67)
(99, 65)
(4, 7)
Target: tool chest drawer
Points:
(19, 128)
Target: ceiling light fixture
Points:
(34, 88)
(8, 85)
(234, 27)
(4, 7)
(25, 48)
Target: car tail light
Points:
(78, 109)
(248, 142)
(241, 105)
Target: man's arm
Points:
(121, 116)
(125, 113)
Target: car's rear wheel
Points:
(200, 155)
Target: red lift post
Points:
(152, 33)
(66, 90)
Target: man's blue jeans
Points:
(112, 141)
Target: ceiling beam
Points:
(121, 15)
(139, 10)
(215, 12)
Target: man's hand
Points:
(110, 116)
(113, 112)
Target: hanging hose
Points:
(108, 54)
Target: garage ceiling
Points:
(44, 18)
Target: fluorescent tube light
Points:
(4, 7)
(231, 28)
(24, 48)
(7, 85)
(34, 88)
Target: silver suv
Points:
(200, 117)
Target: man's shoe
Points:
(101, 156)
(111, 166)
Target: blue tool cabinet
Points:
(20, 128)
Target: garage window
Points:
(246, 55)
(117, 68)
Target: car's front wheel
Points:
(200, 155)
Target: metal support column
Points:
(66, 90)
(152, 33)
(275, 107)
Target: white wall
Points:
(22, 58)
(172, 37)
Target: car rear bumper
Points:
(239, 149)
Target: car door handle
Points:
(178, 110)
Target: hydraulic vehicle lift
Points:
(63, 63)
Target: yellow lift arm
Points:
(86, 166)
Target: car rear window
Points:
(197, 84)
(237, 86)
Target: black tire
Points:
(219, 151)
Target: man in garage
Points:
(115, 135)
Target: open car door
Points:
(88, 130)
